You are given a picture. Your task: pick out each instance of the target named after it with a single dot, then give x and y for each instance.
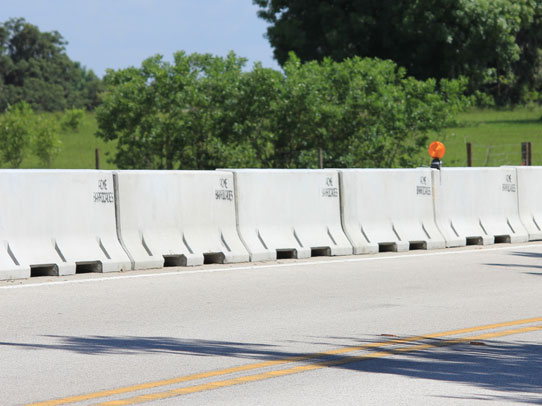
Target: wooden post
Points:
(469, 154)
(97, 157)
(524, 153)
(320, 158)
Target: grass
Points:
(495, 135)
(78, 149)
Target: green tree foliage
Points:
(528, 69)
(204, 112)
(45, 140)
(199, 112)
(15, 134)
(496, 43)
(23, 131)
(361, 112)
(34, 68)
(71, 119)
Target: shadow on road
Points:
(527, 254)
(501, 366)
(535, 255)
(512, 368)
(95, 345)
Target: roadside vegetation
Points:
(371, 86)
(496, 133)
(204, 112)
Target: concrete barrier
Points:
(530, 197)
(477, 206)
(58, 222)
(389, 210)
(290, 213)
(178, 218)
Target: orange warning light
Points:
(436, 150)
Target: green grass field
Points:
(78, 149)
(496, 137)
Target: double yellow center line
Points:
(296, 369)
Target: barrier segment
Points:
(389, 210)
(477, 206)
(178, 218)
(54, 222)
(295, 213)
(529, 197)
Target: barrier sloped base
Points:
(9, 266)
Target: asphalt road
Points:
(457, 326)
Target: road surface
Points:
(457, 326)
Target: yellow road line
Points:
(248, 367)
(305, 368)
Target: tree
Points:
(71, 120)
(361, 112)
(528, 69)
(34, 68)
(23, 131)
(200, 112)
(483, 40)
(45, 141)
(205, 112)
(15, 133)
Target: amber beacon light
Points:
(436, 151)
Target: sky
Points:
(116, 34)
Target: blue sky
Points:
(116, 34)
